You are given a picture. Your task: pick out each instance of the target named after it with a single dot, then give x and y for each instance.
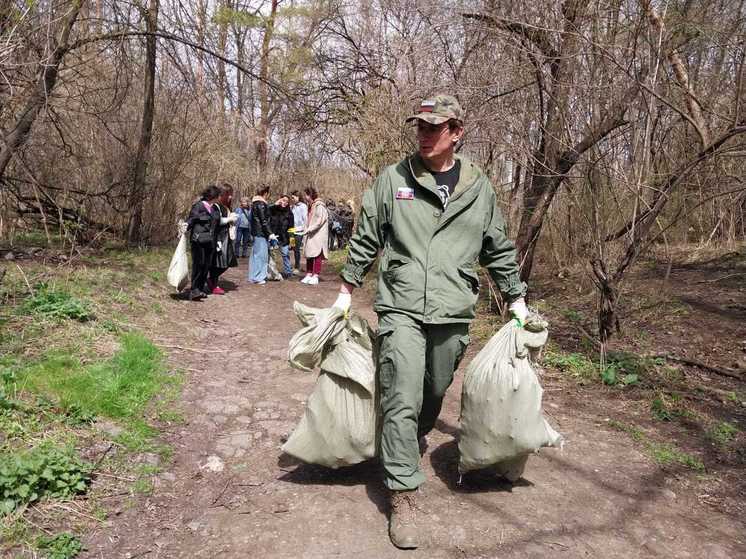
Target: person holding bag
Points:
(201, 225)
(224, 256)
(427, 221)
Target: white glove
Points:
(519, 310)
(232, 217)
(343, 302)
(273, 237)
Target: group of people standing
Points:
(219, 236)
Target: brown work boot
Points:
(402, 526)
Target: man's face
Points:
(436, 140)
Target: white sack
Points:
(178, 269)
(339, 425)
(273, 274)
(501, 419)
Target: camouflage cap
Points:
(438, 109)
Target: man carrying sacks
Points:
(432, 217)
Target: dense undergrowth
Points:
(83, 392)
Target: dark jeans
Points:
(297, 250)
(201, 260)
(243, 239)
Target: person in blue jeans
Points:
(243, 228)
(262, 236)
(300, 217)
(280, 223)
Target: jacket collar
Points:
(423, 176)
(258, 199)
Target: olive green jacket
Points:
(429, 254)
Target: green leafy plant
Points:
(61, 546)
(45, 471)
(56, 304)
(661, 409)
(576, 364)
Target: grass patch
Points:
(661, 453)
(722, 433)
(118, 388)
(69, 356)
(576, 365)
(665, 454)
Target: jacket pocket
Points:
(395, 267)
(471, 277)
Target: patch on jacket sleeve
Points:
(404, 193)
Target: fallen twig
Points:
(216, 499)
(31, 289)
(130, 479)
(588, 336)
(722, 278)
(72, 510)
(103, 455)
(199, 350)
(695, 363)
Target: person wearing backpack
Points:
(202, 223)
(428, 220)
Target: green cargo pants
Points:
(416, 363)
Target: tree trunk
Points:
(140, 164)
(262, 143)
(40, 91)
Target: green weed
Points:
(55, 304)
(61, 546)
(661, 453)
(575, 364)
(635, 432)
(665, 454)
(722, 433)
(42, 472)
(572, 315)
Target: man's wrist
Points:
(346, 288)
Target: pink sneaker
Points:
(218, 290)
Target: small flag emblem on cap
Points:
(427, 106)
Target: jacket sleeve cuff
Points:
(353, 274)
(512, 287)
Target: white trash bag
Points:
(501, 419)
(339, 425)
(178, 269)
(273, 274)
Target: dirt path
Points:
(226, 495)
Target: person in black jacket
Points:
(262, 236)
(201, 224)
(280, 221)
(224, 256)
